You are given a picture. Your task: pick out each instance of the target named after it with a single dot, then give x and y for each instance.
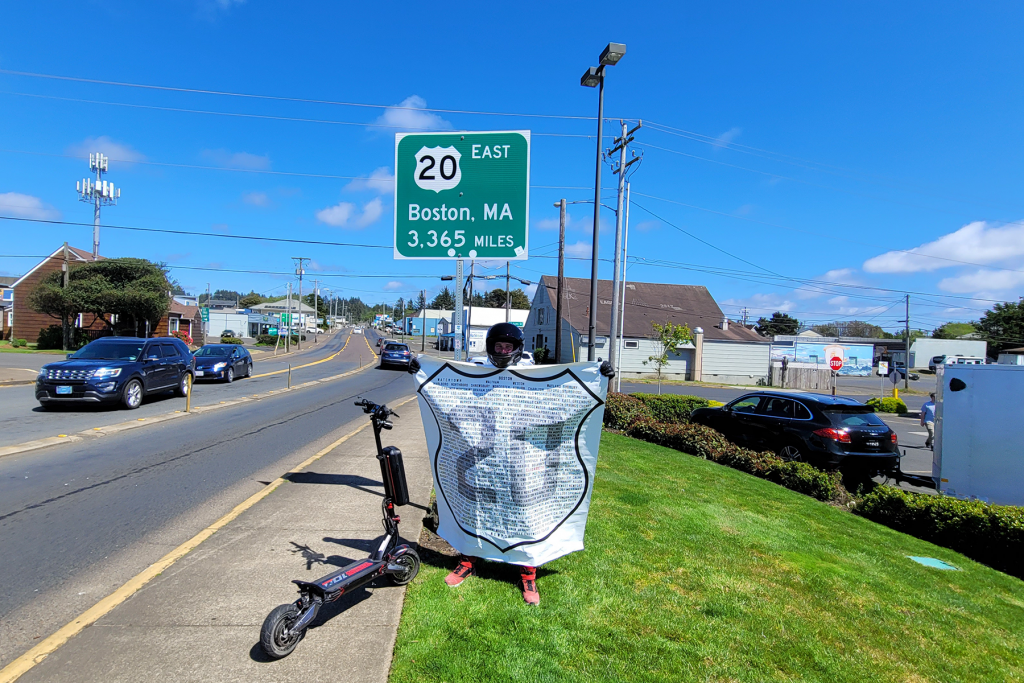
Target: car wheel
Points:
(248, 370)
(183, 385)
(229, 375)
(790, 453)
(131, 395)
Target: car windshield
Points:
(745, 405)
(109, 351)
(854, 416)
(213, 351)
(396, 347)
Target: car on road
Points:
(117, 369)
(223, 361)
(936, 361)
(901, 369)
(395, 353)
(828, 431)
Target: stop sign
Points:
(836, 363)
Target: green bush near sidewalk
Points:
(889, 404)
(671, 407)
(694, 572)
(993, 534)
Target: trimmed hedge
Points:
(889, 404)
(704, 442)
(992, 534)
(671, 407)
(230, 340)
(620, 410)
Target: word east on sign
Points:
(462, 195)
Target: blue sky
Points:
(815, 151)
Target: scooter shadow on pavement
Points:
(353, 480)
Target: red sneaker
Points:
(461, 572)
(529, 577)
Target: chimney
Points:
(725, 323)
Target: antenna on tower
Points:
(98, 193)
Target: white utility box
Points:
(979, 442)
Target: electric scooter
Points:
(285, 626)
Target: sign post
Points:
(462, 195)
(883, 370)
(834, 356)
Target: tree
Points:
(444, 301)
(827, 329)
(421, 302)
(249, 300)
(669, 337)
(134, 290)
(64, 303)
(779, 323)
(858, 328)
(176, 287)
(953, 330)
(1003, 326)
(496, 299)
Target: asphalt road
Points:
(77, 520)
(22, 419)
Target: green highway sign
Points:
(204, 312)
(462, 195)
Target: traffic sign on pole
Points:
(204, 312)
(462, 195)
(836, 363)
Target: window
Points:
(78, 320)
(631, 344)
(169, 350)
(540, 316)
(173, 324)
(745, 405)
(801, 412)
(779, 407)
(852, 361)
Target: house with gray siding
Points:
(719, 351)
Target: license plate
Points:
(873, 444)
(63, 390)
(199, 373)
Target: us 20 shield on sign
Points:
(462, 195)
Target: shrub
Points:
(19, 342)
(230, 340)
(671, 407)
(806, 479)
(266, 340)
(889, 404)
(992, 534)
(620, 410)
(183, 336)
(52, 337)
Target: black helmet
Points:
(505, 332)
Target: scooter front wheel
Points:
(410, 563)
(276, 636)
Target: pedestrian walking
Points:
(928, 421)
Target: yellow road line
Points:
(317, 362)
(27, 661)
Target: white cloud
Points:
(847, 276)
(983, 280)
(976, 242)
(578, 250)
(229, 159)
(346, 215)
(117, 152)
(27, 206)
(393, 285)
(256, 198)
(409, 115)
(728, 136)
(381, 181)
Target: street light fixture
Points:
(594, 77)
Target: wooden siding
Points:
(735, 362)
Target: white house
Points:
(480, 320)
(719, 352)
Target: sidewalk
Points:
(200, 619)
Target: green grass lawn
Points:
(5, 347)
(696, 572)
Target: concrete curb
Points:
(145, 421)
(16, 382)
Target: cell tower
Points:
(99, 193)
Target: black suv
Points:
(829, 431)
(113, 369)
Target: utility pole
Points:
(906, 355)
(560, 292)
(206, 330)
(621, 144)
(423, 324)
(457, 321)
(508, 295)
(469, 307)
(66, 326)
(288, 327)
(299, 270)
(316, 310)
(100, 193)
(622, 299)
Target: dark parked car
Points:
(829, 431)
(113, 369)
(901, 369)
(395, 353)
(223, 361)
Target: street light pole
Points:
(560, 291)
(595, 77)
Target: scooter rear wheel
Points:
(411, 561)
(272, 636)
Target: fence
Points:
(801, 376)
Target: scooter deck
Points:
(343, 577)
